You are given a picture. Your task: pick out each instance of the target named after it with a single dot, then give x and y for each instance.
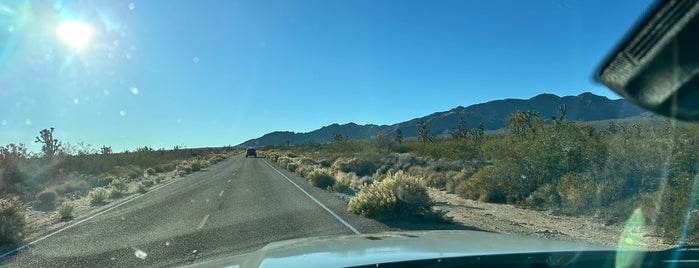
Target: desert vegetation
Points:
(568, 168)
(51, 180)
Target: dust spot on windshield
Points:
(134, 90)
(132, 6)
(122, 113)
(195, 60)
(28, 122)
(76, 101)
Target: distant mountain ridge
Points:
(586, 107)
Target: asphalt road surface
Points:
(236, 206)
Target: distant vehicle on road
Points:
(250, 152)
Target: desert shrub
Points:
(183, 168)
(437, 180)
(119, 185)
(484, 186)
(306, 161)
(325, 162)
(65, 210)
(142, 188)
(166, 167)
(320, 178)
(362, 182)
(291, 166)
(398, 195)
(150, 171)
(304, 170)
(344, 182)
(103, 181)
(361, 167)
(130, 172)
(159, 179)
(47, 196)
(98, 195)
(70, 186)
(196, 165)
(148, 183)
(12, 222)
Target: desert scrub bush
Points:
(71, 185)
(148, 183)
(149, 171)
(12, 223)
(119, 186)
(304, 170)
(142, 188)
(343, 182)
(291, 166)
(103, 181)
(306, 161)
(320, 178)
(399, 195)
(97, 196)
(183, 168)
(65, 210)
(159, 179)
(166, 167)
(361, 167)
(47, 196)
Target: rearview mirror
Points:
(657, 65)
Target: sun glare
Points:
(75, 34)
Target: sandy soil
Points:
(509, 219)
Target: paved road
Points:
(235, 206)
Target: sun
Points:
(75, 34)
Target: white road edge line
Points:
(128, 200)
(354, 230)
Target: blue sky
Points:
(213, 73)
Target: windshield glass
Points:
(156, 133)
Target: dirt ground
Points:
(508, 219)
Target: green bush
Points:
(150, 171)
(12, 223)
(398, 195)
(97, 196)
(320, 178)
(66, 210)
(47, 196)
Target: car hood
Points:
(353, 250)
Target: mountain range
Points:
(493, 114)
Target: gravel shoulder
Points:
(508, 219)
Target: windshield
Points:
(157, 133)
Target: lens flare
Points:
(75, 34)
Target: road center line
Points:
(221, 193)
(203, 221)
(354, 230)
